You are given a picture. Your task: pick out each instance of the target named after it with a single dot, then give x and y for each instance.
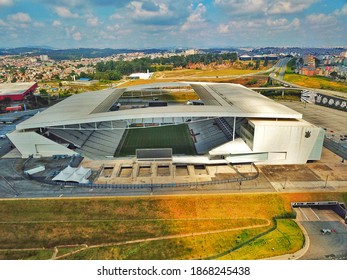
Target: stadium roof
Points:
(232, 100)
(14, 88)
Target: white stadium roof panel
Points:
(235, 101)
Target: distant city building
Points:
(309, 61)
(343, 54)
(44, 57)
(245, 57)
(141, 76)
(191, 52)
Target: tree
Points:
(333, 74)
(5, 103)
(257, 64)
(43, 91)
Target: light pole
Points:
(326, 181)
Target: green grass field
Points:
(176, 137)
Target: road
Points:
(281, 67)
(323, 246)
(334, 121)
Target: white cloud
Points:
(118, 29)
(115, 27)
(258, 25)
(6, 2)
(196, 19)
(93, 21)
(56, 23)
(107, 35)
(283, 24)
(289, 7)
(70, 30)
(241, 7)
(38, 24)
(237, 25)
(2, 23)
(342, 11)
(223, 28)
(150, 13)
(65, 12)
(321, 19)
(116, 16)
(20, 17)
(161, 9)
(277, 22)
(77, 36)
(296, 23)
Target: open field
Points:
(315, 82)
(72, 88)
(249, 81)
(176, 137)
(185, 227)
(205, 73)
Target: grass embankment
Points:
(315, 82)
(185, 227)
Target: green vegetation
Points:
(189, 247)
(253, 81)
(293, 95)
(114, 70)
(39, 254)
(286, 238)
(176, 137)
(291, 65)
(167, 227)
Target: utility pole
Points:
(326, 181)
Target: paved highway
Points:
(281, 66)
(323, 246)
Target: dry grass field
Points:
(168, 227)
(315, 82)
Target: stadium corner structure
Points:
(234, 125)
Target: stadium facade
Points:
(234, 125)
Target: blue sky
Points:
(178, 23)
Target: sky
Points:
(142, 24)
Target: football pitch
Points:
(176, 137)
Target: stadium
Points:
(233, 125)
